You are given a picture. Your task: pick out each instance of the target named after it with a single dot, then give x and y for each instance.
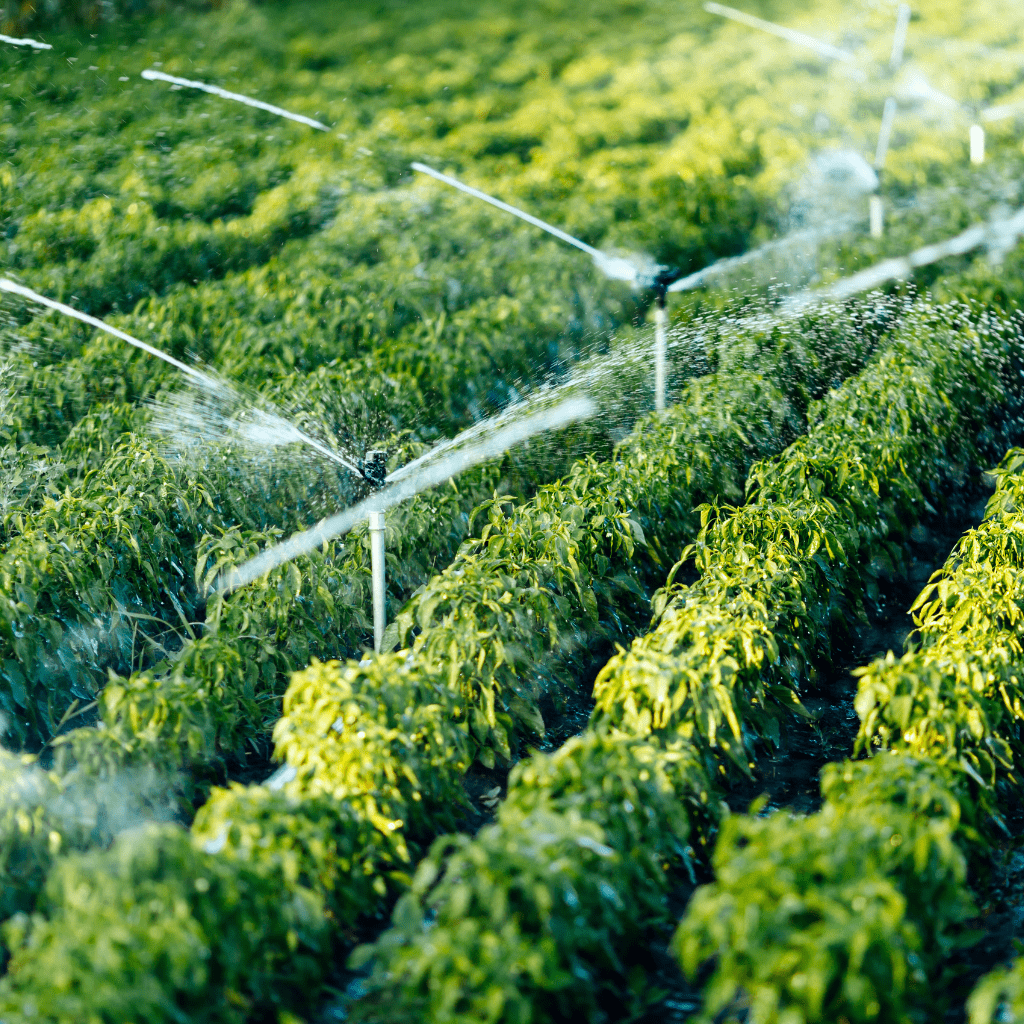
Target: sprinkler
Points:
(215, 90)
(492, 444)
(374, 470)
(614, 267)
(665, 277)
(899, 39)
(823, 49)
(977, 138)
(34, 43)
(875, 208)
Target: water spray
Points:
(1001, 112)
(570, 411)
(921, 90)
(34, 43)
(998, 235)
(209, 384)
(614, 267)
(823, 49)
(657, 278)
(899, 38)
(215, 90)
(724, 265)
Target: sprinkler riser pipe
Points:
(376, 523)
(977, 144)
(876, 216)
(660, 351)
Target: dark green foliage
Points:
(157, 930)
(376, 309)
(866, 899)
(845, 913)
(83, 573)
(721, 670)
(731, 651)
(527, 920)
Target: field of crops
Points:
(708, 712)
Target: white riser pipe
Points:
(977, 144)
(876, 214)
(376, 521)
(660, 349)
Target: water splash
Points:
(488, 446)
(542, 399)
(999, 235)
(216, 90)
(899, 37)
(91, 810)
(821, 48)
(720, 268)
(217, 393)
(618, 268)
(1002, 111)
(918, 88)
(193, 420)
(34, 43)
(828, 200)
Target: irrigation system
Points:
(485, 440)
(999, 235)
(490, 445)
(371, 468)
(617, 268)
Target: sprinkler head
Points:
(661, 280)
(374, 467)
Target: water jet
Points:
(215, 90)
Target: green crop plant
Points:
(204, 937)
(845, 912)
(529, 916)
(399, 741)
(31, 833)
(957, 698)
(88, 570)
(723, 667)
(209, 702)
(949, 711)
(574, 562)
(375, 310)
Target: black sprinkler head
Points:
(660, 281)
(374, 467)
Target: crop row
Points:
(379, 747)
(854, 911)
(534, 917)
(410, 723)
(86, 582)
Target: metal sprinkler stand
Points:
(374, 470)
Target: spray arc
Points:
(616, 268)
